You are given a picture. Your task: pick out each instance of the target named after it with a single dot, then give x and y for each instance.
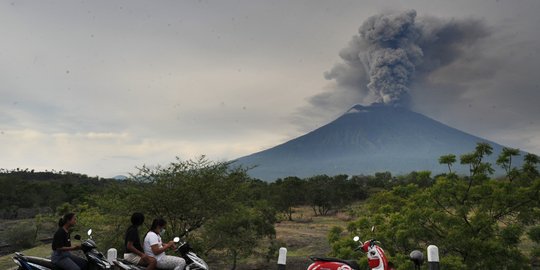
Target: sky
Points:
(104, 87)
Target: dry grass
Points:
(307, 235)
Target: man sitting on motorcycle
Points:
(132, 244)
(153, 247)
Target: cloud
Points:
(393, 51)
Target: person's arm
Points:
(132, 248)
(158, 250)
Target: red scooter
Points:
(376, 259)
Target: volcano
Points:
(366, 140)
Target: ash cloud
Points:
(393, 51)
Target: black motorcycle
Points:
(96, 260)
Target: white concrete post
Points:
(433, 257)
(282, 259)
(111, 255)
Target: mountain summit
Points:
(365, 140)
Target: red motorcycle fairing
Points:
(375, 255)
(329, 266)
(320, 263)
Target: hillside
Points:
(365, 140)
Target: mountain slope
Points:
(365, 140)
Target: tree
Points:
(505, 161)
(189, 193)
(449, 160)
(529, 169)
(288, 193)
(466, 219)
(209, 197)
(325, 193)
(240, 231)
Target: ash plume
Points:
(392, 51)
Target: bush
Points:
(22, 236)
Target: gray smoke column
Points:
(393, 50)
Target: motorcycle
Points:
(376, 258)
(96, 260)
(193, 261)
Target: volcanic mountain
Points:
(365, 140)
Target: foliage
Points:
(189, 193)
(326, 194)
(240, 231)
(31, 189)
(207, 198)
(22, 236)
(449, 160)
(288, 193)
(466, 217)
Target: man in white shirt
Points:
(154, 247)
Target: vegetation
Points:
(228, 216)
(477, 222)
(30, 189)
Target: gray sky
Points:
(99, 87)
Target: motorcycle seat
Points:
(350, 263)
(40, 261)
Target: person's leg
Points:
(171, 262)
(82, 263)
(149, 262)
(133, 258)
(67, 264)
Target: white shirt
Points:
(151, 239)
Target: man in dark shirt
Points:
(133, 249)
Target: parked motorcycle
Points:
(376, 258)
(96, 260)
(193, 262)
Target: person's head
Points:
(68, 219)
(158, 224)
(137, 219)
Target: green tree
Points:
(466, 219)
(288, 193)
(530, 171)
(449, 160)
(505, 161)
(189, 193)
(240, 231)
(326, 194)
(204, 196)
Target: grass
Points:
(307, 235)
(303, 237)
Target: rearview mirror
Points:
(356, 239)
(89, 232)
(176, 239)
